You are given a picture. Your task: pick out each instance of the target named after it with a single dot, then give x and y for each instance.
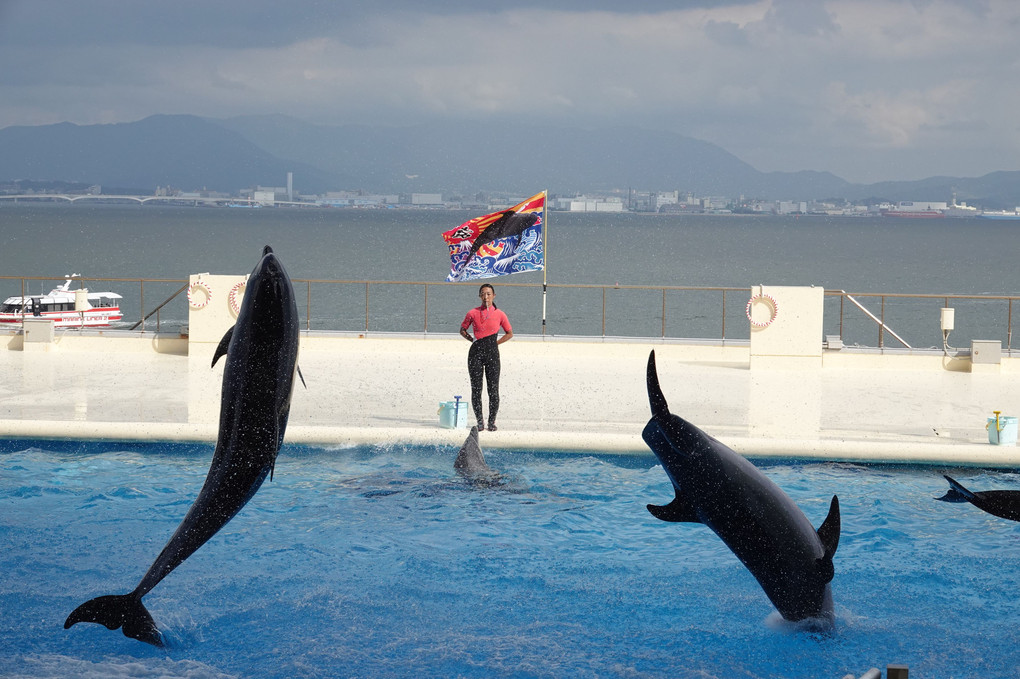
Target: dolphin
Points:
(258, 379)
(509, 224)
(470, 462)
(1002, 503)
(754, 518)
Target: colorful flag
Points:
(499, 243)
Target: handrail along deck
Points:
(665, 291)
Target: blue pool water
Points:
(381, 562)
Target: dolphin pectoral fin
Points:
(119, 610)
(221, 348)
(301, 376)
(679, 510)
(956, 492)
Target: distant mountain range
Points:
(189, 152)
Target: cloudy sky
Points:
(867, 89)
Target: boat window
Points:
(11, 309)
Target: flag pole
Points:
(545, 251)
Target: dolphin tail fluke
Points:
(828, 535)
(656, 399)
(119, 610)
(956, 492)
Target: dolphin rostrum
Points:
(754, 518)
(470, 462)
(258, 379)
(1002, 503)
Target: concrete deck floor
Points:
(556, 395)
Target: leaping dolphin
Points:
(258, 379)
(509, 224)
(1002, 503)
(754, 518)
(471, 465)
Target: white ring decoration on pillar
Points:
(198, 285)
(771, 302)
(232, 297)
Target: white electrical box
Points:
(948, 318)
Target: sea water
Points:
(380, 561)
(859, 255)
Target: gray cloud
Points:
(870, 90)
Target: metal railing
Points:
(690, 312)
(993, 317)
(882, 327)
(535, 288)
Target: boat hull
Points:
(69, 319)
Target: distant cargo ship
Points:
(914, 214)
(999, 215)
(916, 210)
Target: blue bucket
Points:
(1005, 433)
(453, 414)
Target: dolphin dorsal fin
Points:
(680, 509)
(828, 532)
(828, 535)
(221, 348)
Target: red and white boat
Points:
(68, 308)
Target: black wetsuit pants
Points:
(483, 359)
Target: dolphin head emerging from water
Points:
(754, 518)
(470, 463)
(258, 379)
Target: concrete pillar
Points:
(785, 360)
(210, 315)
(786, 326)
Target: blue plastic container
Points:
(454, 415)
(1005, 433)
